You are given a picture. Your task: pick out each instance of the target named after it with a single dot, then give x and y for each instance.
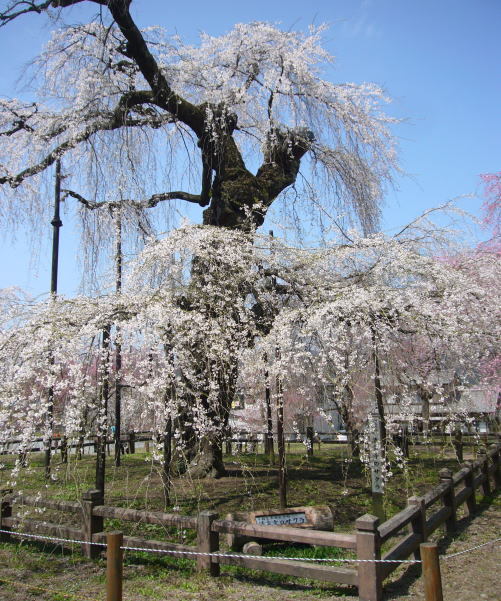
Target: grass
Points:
(330, 477)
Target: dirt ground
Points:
(468, 577)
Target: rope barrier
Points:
(239, 555)
(52, 538)
(491, 542)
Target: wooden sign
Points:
(282, 519)
(317, 517)
(376, 454)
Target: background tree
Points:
(492, 204)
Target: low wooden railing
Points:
(439, 506)
(412, 526)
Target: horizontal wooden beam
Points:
(397, 522)
(435, 494)
(68, 506)
(437, 519)
(462, 495)
(144, 543)
(146, 517)
(461, 475)
(292, 568)
(284, 533)
(30, 526)
(400, 551)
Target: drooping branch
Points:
(16, 9)
(114, 120)
(136, 49)
(147, 203)
(23, 7)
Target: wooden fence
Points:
(243, 442)
(412, 526)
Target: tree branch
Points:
(116, 119)
(282, 160)
(137, 204)
(137, 49)
(23, 7)
(163, 95)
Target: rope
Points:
(491, 542)
(52, 538)
(239, 555)
(201, 554)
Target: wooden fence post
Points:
(368, 547)
(5, 512)
(431, 572)
(114, 566)
(484, 467)
(132, 442)
(471, 501)
(418, 524)
(448, 499)
(497, 466)
(91, 523)
(207, 542)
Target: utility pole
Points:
(118, 345)
(56, 225)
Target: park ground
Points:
(46, 572)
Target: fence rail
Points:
(243, 442)
(474, 475)
(411, 526)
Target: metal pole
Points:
(431, 572)
(114, 566)
(56, 224)
(118, 345)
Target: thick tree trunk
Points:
(236, 199)
(201, 453)
(208, 461)
(167, 461)
(346, 412)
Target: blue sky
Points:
(438, 59)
